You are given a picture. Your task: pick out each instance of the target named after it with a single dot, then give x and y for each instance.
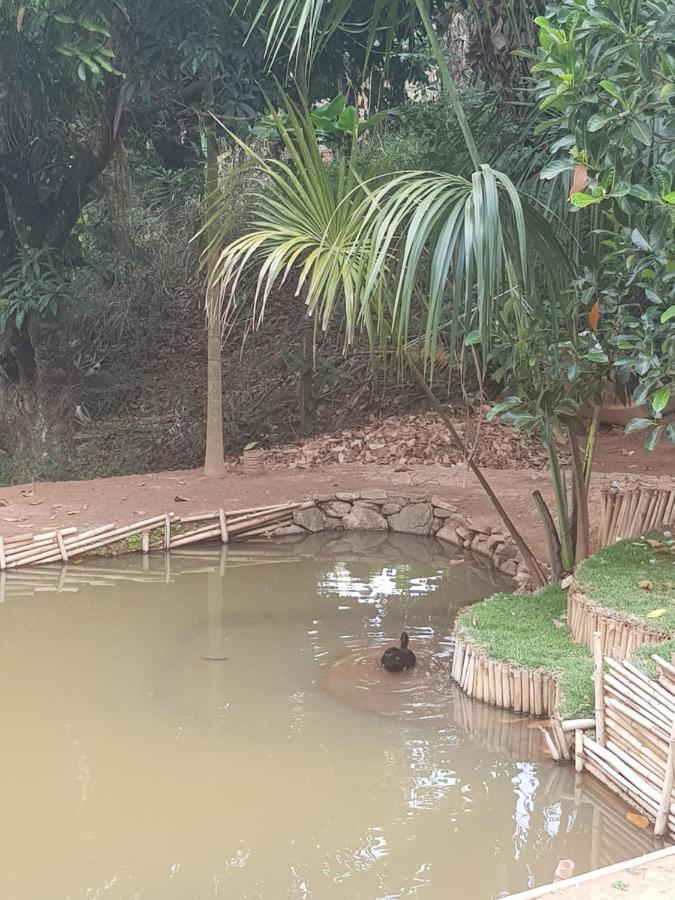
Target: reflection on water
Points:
(218, 725)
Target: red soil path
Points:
(25, 509)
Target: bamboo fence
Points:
(166, 531)
(626, 514)
(633, 751)
(620, 635)
(507, 685)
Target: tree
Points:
(74, 80)
(606, 81)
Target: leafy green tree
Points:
(606, 80)
(75, 78)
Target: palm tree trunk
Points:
(214, 463)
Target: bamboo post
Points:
(599, 689)
(222, 519)
(666, 794)
(578, 750)
(167, 531)
(62, 546)
(145, 541)
(3, 560)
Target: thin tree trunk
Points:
(536, 571)
(581, 499)
(552, 538)
(566, 547)
(214, 463)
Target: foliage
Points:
(607, 81)
(612, 576)
(330, 121)
(32, 286)
(527, 629)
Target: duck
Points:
(396, 659)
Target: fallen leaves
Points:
(656, 613)
(637, 819)
(645, 585)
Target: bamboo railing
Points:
(633, 751)
(626, 514)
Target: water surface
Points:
(216, 725)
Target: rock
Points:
(495, 539)
(482, 524)
(480, 544)
(323, 498)
(374, 494)
(332, 523)
(442, 503)
(364, 518)
(509, 567)
(337, 508)
(437, 525)
(347, 496)
(388, 509)
(442, 513)
(310, 519)
(449, 533)
(463, 533)
(288, 529)
(566, 582)
(417, 518)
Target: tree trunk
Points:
(214, 463)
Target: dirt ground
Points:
(648, 878)
(34, 507)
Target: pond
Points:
(216, 724)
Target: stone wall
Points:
(380, 510)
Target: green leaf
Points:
(581, 199)
(653, 437)
(598, 121)
(638, 240)
(661, 399)
(64, 19)
(612, 89)
(82, 71)
(641, 131)
(669, 197)
(668, 314)
(638, 425)
(555, 167)
(472, 338)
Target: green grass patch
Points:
(611, 579)
(529, 629)
(642, 656)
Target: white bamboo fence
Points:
(633, 751)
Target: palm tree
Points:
(385, 251)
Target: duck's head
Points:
(404, 640)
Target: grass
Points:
(642, 656)
(611, 579)
(529, 629)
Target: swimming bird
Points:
(396, 659)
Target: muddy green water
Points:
(218, 726)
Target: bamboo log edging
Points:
(506, 684)
(620, 634)
(634, 749)
(626, 514)
(61, 545)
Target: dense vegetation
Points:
(444, 187)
